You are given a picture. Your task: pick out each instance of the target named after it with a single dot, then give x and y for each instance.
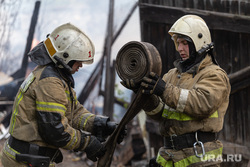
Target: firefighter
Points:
(189, 101)
(46, 113)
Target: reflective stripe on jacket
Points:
(45, 114)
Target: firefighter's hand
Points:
(122, 135)
(103, 127)
(153, 163)
(110, 128)
(95, 149)
(153, 84)
(130, 84)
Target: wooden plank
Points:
(233, 148)
(214, 20)
(245, 121)
(244, 59)
(179, 3)
(6, 103)
(163, 43)
(239, 118)
(247, 7)
(225, 6)
(108, 104)
(235, 51)
(221, 48)
(247, 117)
(209, 6)
(244, 8)
(234, 9)
(216, 6)
(200, 4)
(239, 75)
(237, 87)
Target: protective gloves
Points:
(103, 127)
(153, 84)
(130, 84)
(153, 163)
(94, 149)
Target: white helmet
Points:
(193, 27)
(68, 42)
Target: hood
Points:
(39, 55)
(197, 67)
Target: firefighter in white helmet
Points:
(46, 114)
(190, 101)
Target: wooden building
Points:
(229, 23)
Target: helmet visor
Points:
(176, 36)
(88, 61)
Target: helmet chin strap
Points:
(61, 62)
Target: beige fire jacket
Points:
(44, 113)
(196, 100)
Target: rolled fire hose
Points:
(134, 61)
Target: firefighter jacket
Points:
(46, 111)
(195, 100)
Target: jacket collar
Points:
(197, 67)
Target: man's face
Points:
(183, 48)
(76, 66)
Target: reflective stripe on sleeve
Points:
(50, 107)
(73, 141)
(84, 119)
(171, 113)
(182, 100)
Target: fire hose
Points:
(134, 61)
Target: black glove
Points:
(153, 84)
(153, 163)
(103, 127)
(94, 149)
(122, 135)
(130, 84)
